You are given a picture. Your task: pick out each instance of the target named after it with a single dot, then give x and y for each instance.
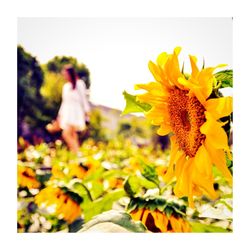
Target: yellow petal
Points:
(215, 134)
(194, 89)
(205, 184)
(202, 161)
(158, 74)
(180, 161)
(145, 216)
(172, 70)
(202, 173)
(153, 87)
(206, 80)
(158, 114)
(151, 99)
(175, 223)
(195, 70)
(162, 59)
(219, 107)
(136, 214)
(164, 129)
(219, 159)
(186, 227)
(177, 50)
(159, 220)
(173, 153)
(183, 185)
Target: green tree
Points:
(56, 64)
(29, 81)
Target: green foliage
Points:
(224, 78)
(104, 188)
(133, 105)
(52, 88)
(203, 228)
(56, 64)
(102, 204)
(95, 127)
(149, 172)
(29, 81)
(132, 185)
(157, 202)
(135, 185)
(40, 88)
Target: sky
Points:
(117, 50)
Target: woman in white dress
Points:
(74, 109)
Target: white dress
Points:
(74, 105)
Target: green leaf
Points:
(102, 204)
(150, 174)
(132, 185)
(134, 106)
(113, 221)
(225, 77)
(202, 228)
(96, 189)
(82, 191)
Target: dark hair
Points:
(71, 71)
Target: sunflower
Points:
(74, 169)
(57, 172)
(158, 220)
(115, 182)
(183, 107)
(27, 177)
(134, 164)
(65, 206)
(84, 169)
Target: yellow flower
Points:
(134, 165)
(157, 221)
(75, 170)
(183, 107)
(115, 183)
(65, 206)
(57, 172)
(85, 169)
(27, 177)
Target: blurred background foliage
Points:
(115, 175)
(39, 92)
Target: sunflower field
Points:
(129, 180)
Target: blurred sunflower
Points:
(57, 172)
(182, 106)
(74, 169)
(27, 177)
(133, 165)
(164, 220)
(84, 169)
(65, 207)
(115, 182)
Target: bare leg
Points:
(66, 134)
(76, 140)
(71, 138)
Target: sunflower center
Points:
(186, 117)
